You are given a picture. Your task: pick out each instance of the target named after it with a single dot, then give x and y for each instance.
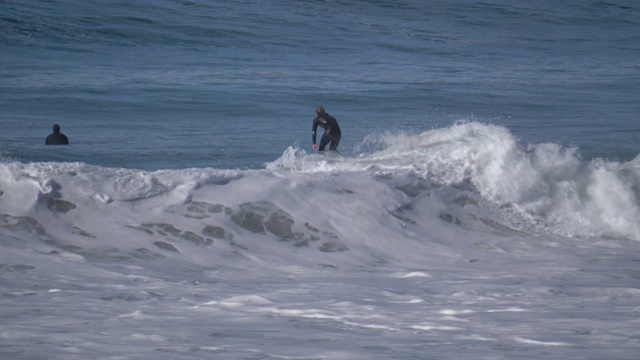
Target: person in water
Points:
(331, 134)
(57, 138)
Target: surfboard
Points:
(331, 153)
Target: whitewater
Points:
(461, 242)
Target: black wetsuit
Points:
(57, 138)
(332, 132)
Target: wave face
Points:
(477, 171)
(539, 186)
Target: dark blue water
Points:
(165, 84)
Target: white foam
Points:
(544, 185)
(452, 237)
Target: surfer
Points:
(331, 134)
(57, 138)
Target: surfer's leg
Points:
(324, 141)
(334, 144)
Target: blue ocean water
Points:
(166, 84)
(486, 203)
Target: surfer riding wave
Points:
(332, 133)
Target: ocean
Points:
(485, 203)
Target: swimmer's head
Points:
(320, 111)
(56, 128)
